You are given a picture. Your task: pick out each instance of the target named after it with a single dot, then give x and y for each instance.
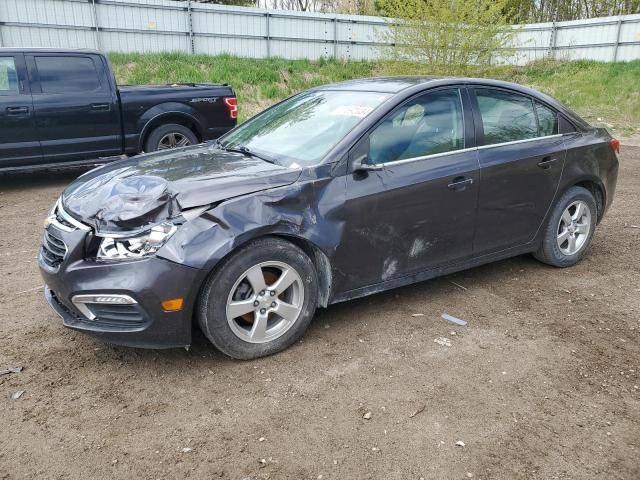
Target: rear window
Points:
(506, 117)
(62, 74)
(547, 120)
(8, 76)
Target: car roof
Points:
(400, 84)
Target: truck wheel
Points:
(171, 135)
(260, 300)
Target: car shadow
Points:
(202, 353)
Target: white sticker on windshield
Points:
(359, 111)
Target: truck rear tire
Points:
(171, 135)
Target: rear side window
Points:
(427, 125)
(8, 76)
(67, 74)
(547, 120)
(565, 126)
(506, 117)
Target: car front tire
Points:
(260, 300)
(569, 231)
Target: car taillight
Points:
(614, 143)
(232, 105)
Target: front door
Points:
(417, 211)
(18, 136)
(521, 159)
(76, 110)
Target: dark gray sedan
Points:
(335, 193)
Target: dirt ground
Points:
(541, 384)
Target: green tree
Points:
(448, 34)
(532, 11)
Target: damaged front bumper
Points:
(117, 302)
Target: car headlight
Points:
(135, 247)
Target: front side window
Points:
(547, 120)
(303, 128)
(8, 76)
(67, 74)
(427, 125)
(506, 117)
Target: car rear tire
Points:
(260, 300)
(171, 135)
(569, 231)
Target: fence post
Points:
(552, 43)
(335, 38)
(268, 16)
(95, 24)
(192, 46)
(615, 48)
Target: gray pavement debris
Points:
(457, 285)
(17, 395)
(6, 371)
(453, 319)
(444, 341)
(418, 411)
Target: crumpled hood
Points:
(143, 191)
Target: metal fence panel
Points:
(187, 26)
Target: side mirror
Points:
(360, 165)
(359, 155)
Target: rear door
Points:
(521, 158)
(76, 109)
(18, 136)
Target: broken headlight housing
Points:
(137, 246)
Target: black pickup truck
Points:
(63, 108)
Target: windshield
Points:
(302, 129)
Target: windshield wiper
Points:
(246, 151)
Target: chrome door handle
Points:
(17, 110)
(460, 183)
(103, 107)
(546, 162)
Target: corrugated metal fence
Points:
(185, 26)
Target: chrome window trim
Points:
(463, 150)
(515, 142)
(425, 157)
(81, 302)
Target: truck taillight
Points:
(232, 105)
(614, 143)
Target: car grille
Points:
(53, 249)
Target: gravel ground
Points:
(541, 384)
